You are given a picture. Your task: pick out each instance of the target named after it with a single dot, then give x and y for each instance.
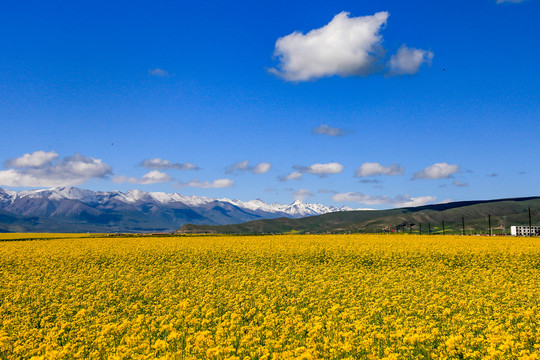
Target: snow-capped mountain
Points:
(74, 209)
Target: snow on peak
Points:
(296, 209)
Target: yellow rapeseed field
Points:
(270, 297)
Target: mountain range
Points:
(70, 209)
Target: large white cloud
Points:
(372, 169)
(162, 164)
(216, 184)
(407, 61)
(260, 168)
(44, 169)
(345, 46)
(152, 177)
(398, 201)
(320, 170)
(437, 171)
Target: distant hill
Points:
(412, 219)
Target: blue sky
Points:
(366, 104)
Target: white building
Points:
(524, 230)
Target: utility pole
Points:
(443, 231)
(489, 225)
(420, 228)
(530, 223)
(504, 225)
(429, 228)
(463, 225)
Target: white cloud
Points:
(260, 168)
(328, 130)
(372, 169)
(35, 159)
(216, 184)
(437, 171)
(407, 61)
(398, 201)
(153, 177)
(162, 164)
(320, 170)
(509, 1)
(158, 72)
(346, 46)
(295, 175)
(460, 184)
(302, 194)
(41, 169)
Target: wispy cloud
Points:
(398, 201)
(328, 130)
(437, 171)
(216, 184)
(295, 175)
(302, 194)
(460, 184)
(42, 169)
(373, 169)
(158, 72)
(162, 164)
(510, 1)
(320, 170)
(152, 177)
(260, 168)
(407, 61)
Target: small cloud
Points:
(320, 170)
(328, 130)
(158, 72)
(302, 194)
(460, 184)
(398, 201)
(372, 169)
(260, 168)
(437, 171)
(521, 172)
(295, 175)
(510, 1)
(370, 181)
(327, 191)
(162, 164)
(268, 189)
(407, 61)
(152, 177)
(493, 175)
(445, 201)
(216, 184)
(43, 169)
